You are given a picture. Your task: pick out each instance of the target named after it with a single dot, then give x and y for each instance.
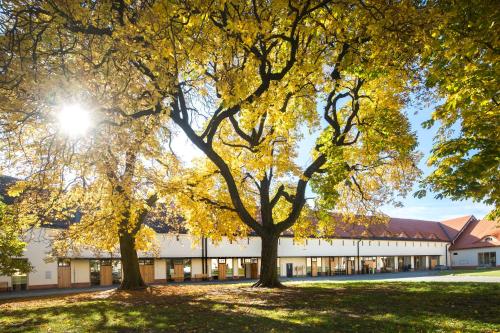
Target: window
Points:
(19, 280)
(488, 239)
(63, 262)
(146, 261)
(116, 271)
(487, 258)
(95, 269)
(106, 262)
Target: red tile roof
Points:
(453, 227)
(476, 233)
(395, 228)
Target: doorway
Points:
(289, 270)
(64, 273)
(147, 269)
(222, 268)
(106, 274)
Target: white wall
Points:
(196, 267)
(245, 247)
(160, 269)
(299, 265)
(469, 257)
(178, 246)
(184, 246)
(37, 250)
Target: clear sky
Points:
(427, 208)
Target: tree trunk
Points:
(268, 264)
(131, 278)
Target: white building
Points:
(399, 245)
(477, 243)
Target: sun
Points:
(74, 120)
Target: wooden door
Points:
(222, 271)
(314, 268)
(64, 277)
(147, 273)
(248, 271)
(254, 272)
(350, 265)
(106, 276)
(433, 263)
(179, 272)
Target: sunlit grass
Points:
(473, 272)
(308, 307)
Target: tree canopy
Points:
(462, 63)
(245, 81)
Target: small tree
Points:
(11, 244)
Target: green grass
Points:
(473, 272)
(310, 307)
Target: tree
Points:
(462, 66)
(258, 72)
(51, 59)
(11, 244)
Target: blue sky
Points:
(427, 208)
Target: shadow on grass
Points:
(374, 307)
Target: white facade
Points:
(242, 252)
(469, 257)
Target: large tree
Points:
(243, 80)
(59, 57)
(253, 77)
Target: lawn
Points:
(311, 307)
(473, 272)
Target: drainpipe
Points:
(446, 255)
(206, 255)
(202, 255)
(358, 270)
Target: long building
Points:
(399, 245)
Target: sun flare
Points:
(74, 120)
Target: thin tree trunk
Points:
(268, 264)
(132, 279)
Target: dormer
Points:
(490, 239)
